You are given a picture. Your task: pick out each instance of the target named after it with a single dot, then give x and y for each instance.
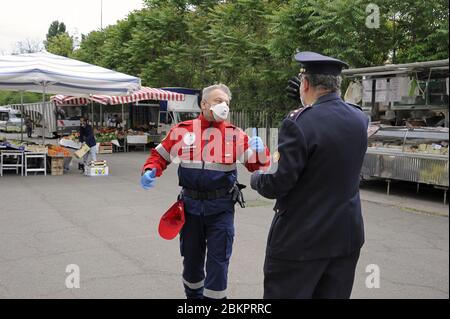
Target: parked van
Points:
(11, 120)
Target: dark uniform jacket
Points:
(87, 135)
(316, 184)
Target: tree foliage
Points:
(61, 44)
(55, 29)
(249, 44)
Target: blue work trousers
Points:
(211, 237)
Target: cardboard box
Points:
(82, 151)
(57, 171)
(57, 166)
(96, 171)
(57, 162)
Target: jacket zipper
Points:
(203, 163)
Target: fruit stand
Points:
(23, 156)
(418, 155)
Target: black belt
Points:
(194, 194)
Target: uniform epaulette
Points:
(296, 113)
(355, 105)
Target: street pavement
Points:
(107, 226)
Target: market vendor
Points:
(29, 126)
(87, 137)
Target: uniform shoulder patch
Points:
(355, 105)
(294, 115)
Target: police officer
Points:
(207, 149)
(316, 234)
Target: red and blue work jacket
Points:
(207, 154)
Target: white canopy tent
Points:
(53, 74)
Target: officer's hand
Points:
(148, 179)
(293, 88)
(256, 143)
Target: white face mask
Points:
(220, 111)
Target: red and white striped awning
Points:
(145, 93)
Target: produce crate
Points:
(57, 166)
(96, 171)
(82, 151)
(36, 148)
(105, 148)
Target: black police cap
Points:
(315, 63)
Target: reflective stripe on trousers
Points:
(196, 285)
(211, 238)
(214, 294)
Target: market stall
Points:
(414, 154)
(402, 94)
(52, 74)
(49, 73)
(118, 138)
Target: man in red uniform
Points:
(207, 150)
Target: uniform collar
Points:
(205, 123)
(327, 97)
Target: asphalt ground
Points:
(107, 226)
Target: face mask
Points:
(220, 111)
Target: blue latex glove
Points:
(148, 179)
(255, 142)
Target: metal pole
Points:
(21, 120)
(43, 113)
(92, 113)
(101, 15)
(123, 117)
(101, 115)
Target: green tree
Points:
(90, 50)
(13, 97)
(418, 29)
(61, 44)
(55, 29)
(250, 44)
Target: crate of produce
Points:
(36, 148)
(57, 166)
(105, 148)
(58, 151)
(96, 171)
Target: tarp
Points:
(144, 94)
(44, 72)
(61, 75)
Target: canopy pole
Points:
(123, 117)
(101, 115)
(43, 113)
(92, 112)
(21, 118)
